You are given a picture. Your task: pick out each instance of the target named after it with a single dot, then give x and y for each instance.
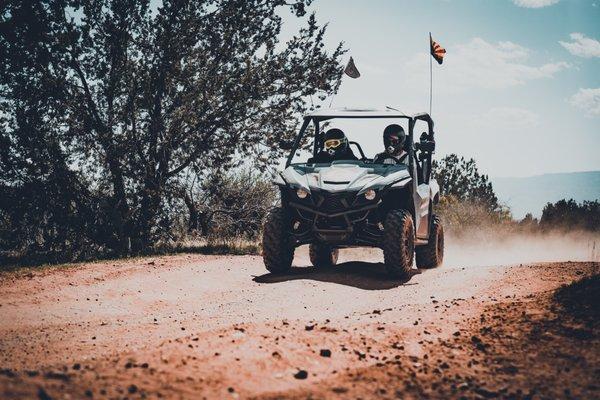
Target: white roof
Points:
(359, 113)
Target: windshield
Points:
(363, 134)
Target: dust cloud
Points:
(486, 247)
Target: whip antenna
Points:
(430, 77)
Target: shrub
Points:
(570, 215)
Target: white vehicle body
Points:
(343, 177)
(386, 203)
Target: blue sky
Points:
(519, 89)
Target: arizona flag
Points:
(437, 51)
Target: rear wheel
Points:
(432, 254)
(277, 247)
(322, 256)
(398, 243)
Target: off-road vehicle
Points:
(358, 203)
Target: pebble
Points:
(301, 374)
(325, 353)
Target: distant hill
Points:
(530, 194)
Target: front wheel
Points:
(277, 247)
(322, 256)
(432, 254)
(398, 243)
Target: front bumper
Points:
(335, 219)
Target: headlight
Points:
(301, 193)
(370, 194)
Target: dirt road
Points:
(192, 326)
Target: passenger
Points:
(394, 139)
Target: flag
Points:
(437, 51)
(351, 69)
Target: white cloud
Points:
(582, 46)
(482, 64)
(534, 3)
(587, 100)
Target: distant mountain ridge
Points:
(530, 194)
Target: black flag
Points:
(351, 69)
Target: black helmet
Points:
(393, 138)
(335, 141)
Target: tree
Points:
(461, 179)
(236, 204)
(123, 98)
(568, 214)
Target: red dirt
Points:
(218, 327)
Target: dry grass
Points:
(14, 262)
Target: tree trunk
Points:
(204, 218)
(120, 216)
(149, 209)
(193, 213)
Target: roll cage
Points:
(425, 145)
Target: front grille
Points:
(334, 202)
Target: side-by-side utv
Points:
(353, 203)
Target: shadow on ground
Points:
(359, 274)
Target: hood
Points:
(344, 177)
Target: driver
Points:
(393, 142)
(335, 147)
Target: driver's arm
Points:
(378, 159)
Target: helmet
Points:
(335, 141)
(393, 138)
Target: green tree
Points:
(460, 178)
(118, 99)
(569, 214)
